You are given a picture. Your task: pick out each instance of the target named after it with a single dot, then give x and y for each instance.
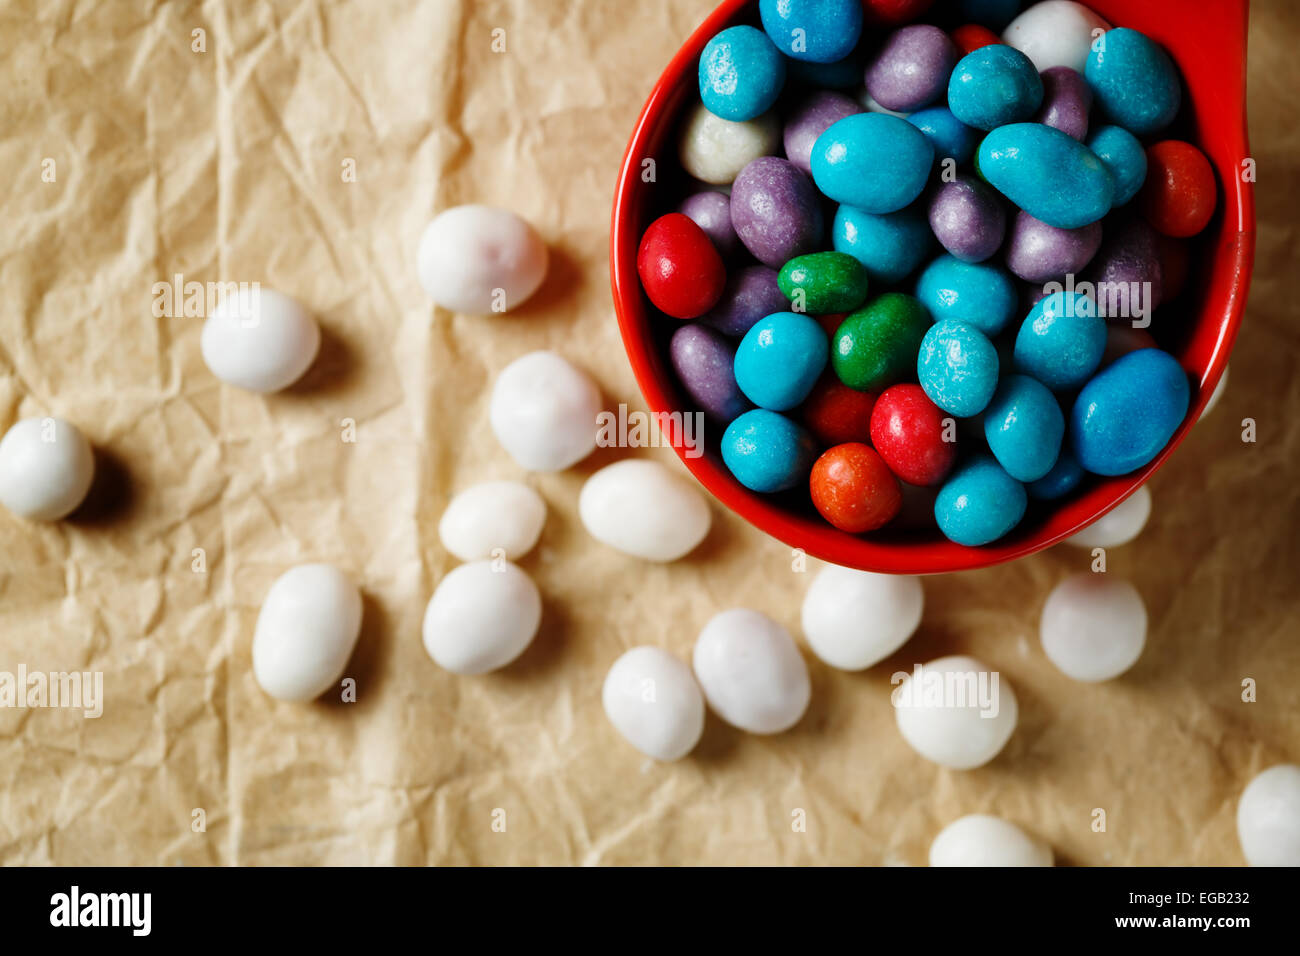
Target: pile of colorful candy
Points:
(944, 282)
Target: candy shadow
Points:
(564, 277)
(334, 369)
(364, 666)
(112, 496)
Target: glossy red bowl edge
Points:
(1208, 43)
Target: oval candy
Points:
(1047, 174)
(1128, 412)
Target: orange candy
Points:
(854, 489)
(1178, 197)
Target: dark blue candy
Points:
(1060, 481)
(766, 451)
(979, 503)
(1128, 412)
(1024, 426)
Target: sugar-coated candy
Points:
(741, 73)
(1128, 412)
(1134, 82)
(715, 150)
(1024, 426)
(1047, 174)
(1093, 627)
(1066, 101)
(543, 411)
(872, 161)
(1123, 156)
(46, 468)
(666, 723)
(776, 211)
(481, 617)
(1268, 817)
(978, 293)
(853, 488)
(766, 451)
(1061, 341)
(680, 269)
(890, 245)
(853, 620)
(751, 672)
(949, 136)
(1178, 197)
(751, 292)
(491, 518)
(1060, 481)
(1126, 272)
(993, 86)
(958, 732)
(982, 840)
(478, 260)
(979, 503)
(972, 36)
(824, 282)
(818, 31)
(968, 218)
(306, 631)
(1055, 33)
(263, 340)
(1118, 526)
(704, 361)
(644, 509)
(1037, 252)
(910, 69)
(780, 359)
(836, 413)
(811, 117)
(711, 211)
(913, 435)
(958, 367)
(876, 346)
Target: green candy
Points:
(828, 282)
(877, 345)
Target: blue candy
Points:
(979, 503)
(873, 161)
(890, 247)
(780, 359)
(1047, 173)
(741, 74)
(950, 137)
(1060, 481)
(819, 31)
(1128, 412)
(1125, 159)
(979, 293)
(1133, 81)
(1024, 427)
(958, 367)
(993, 86)
(766, 451)
(1061, 341)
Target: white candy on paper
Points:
(652, 699)
(983, 840)
(479, 259)
(1094, 626)
(751, 672)
(1268, 817)
(854, 619)
(491, 517)
(643, 509)
(715, 150)
(956, 717)
(1055, 33)
(306, 631)
(46, 468)
(481, 617)
(543, 411)
(1118, 526)
(259, 339)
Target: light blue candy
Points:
(1061, 341)
(1125, 159)
(979, 503)
(741, 74)
(979, 293)
(779, 360)
(873, 161)
(1133, 81)
(994, 85)
(950, 137)
(890, 247)
(766, 451)
(1060, 481)
(957, 367)
(1024, 427)
(1047, 173)
(1128, 412)
(819, 31)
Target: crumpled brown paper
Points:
(223, 156)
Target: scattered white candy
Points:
(983, 840)
(481, 617)
(1268, 817)
(1094, 626)
(715, 150)
(479, 259)
(544, 412)
(46, 467)
(960, 714)
(854, 619)
(259, 339)
(1217, 393)
(306, 631)
(492, 516)
(643, 509)
(1118, 526)
(1055, 33)
(652, 699)
(751, 672)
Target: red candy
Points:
(908, 431)
(836, 413)
(832, 322)
(1177, 197)
(893, 12)
(972, 36)
(854, 489)
(681, 271)
(1175, 263)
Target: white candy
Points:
(481, 617)
(1055, 33)
(479, 259)
(751, 672)
(544, 412)
(652, 699)
(1217, 393)
(643, 509)
(715, 150)
(306, 631)
(960, 715)
(46, 467)
(492, 515)
(983, 840)
(1094, 626)
(1268, 817)
(854, 619)
(1118, 526)
(259, 339)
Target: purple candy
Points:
(912, 67)
(704, 362)
(810, 119)
(968, 218)
(711, 211)
(1126, 273)
(776, 211)
(1038, 252)
(751, 294)
(1066, 101)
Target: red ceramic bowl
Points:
(1208, 42)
